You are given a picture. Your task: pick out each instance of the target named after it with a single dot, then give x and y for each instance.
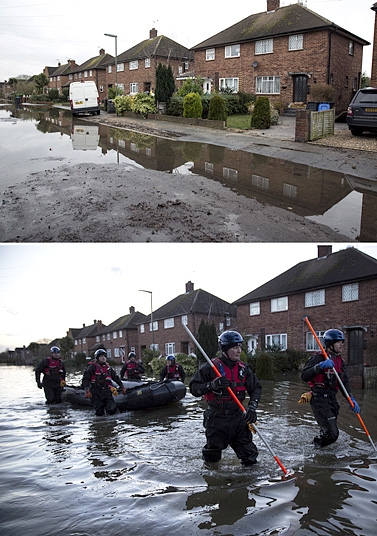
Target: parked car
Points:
(84, 98)
(362, 111)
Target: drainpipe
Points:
(329, 57)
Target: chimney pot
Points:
(132, 309)
(152, 33)
(272, 5)
(189, 287)
(324, 251)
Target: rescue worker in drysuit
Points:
(132, 369)
(319, 373)
(53, 371)
(97, 382)
(224, 422)
(172, 370)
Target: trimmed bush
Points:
(123, 103)
(265, 367)
(217, 109)
(261, 116)
(175, 106)
(143, 104)
(192, 106)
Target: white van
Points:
(85, 137)
(84, 98)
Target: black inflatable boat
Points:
(139, 394)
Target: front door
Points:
(355, 346)
(300, 88)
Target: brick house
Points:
(169, 336)
(121, 336)
(282, 53)
(136, 67)
(59, 77)
(85, 339)
(92, 70)
(335, 290)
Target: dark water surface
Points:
(65, 471)
(35, 139)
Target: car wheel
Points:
(356, 131)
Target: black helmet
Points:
(333, 335)
(229, 339)
(99, 352)
(55, 350)
(170, 357)
(131, 354)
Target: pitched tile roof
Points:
(89, 331)
(194, 302)
(128, 321)
(159, 46)
(345, 266)
(97, 62)
(285, 20)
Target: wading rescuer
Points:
(97, 382)
(172, 370)
(319, 373)
(53, 371)
(132, 369)
(224, 422)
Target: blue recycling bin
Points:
(323, 106)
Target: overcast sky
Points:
(45, 289)
(35, 34)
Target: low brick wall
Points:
(207, 123)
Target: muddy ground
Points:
(123, 203)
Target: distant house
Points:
(136, 67)
(169, 335)
(85, 339)
(59, 77)
(92, 70)
(121, 337)
(335, 290)
(282, 53)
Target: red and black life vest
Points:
(172, 372)
(237, 377)
(55, 366)
(132, 370)
(327, 379)
(101, 375)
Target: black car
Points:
(362, 111)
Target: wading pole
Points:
(339, 380)
(238, 402)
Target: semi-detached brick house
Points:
(335, 290)
(92, 70)
(59, 77)
(120, 337)
(169, 336)
(136, 67)
(85, 339)
(282, 53)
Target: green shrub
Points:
(238, 103)
(206, 100)
(175, 106)
(191, 85)
(53, 94)
(322, 92)
(264, 368)
(261, 116)
(123, 103)
(192, 106)
(217, 109)
(143, 104)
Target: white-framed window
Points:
(350, 292)
(110, 69)
(98, 338)
(277, 340)
(229, 173)
(147, 63)
(154, 347)
(180, 69)
(315, 298)
(58, 78)
(208, 167)
(254, 308)
(70, 78)
(170, 348)
(116, 352)
(351, 48)
(184, 320)
(168, 323)
(264, 46)
(142, 328)
(296, 42)
(232, 51)
(120, 333)
(85, 74)
(76, 343)
(103, 337)
(311, 343)
(289, 190)
(90, 72)
(84, 340)
(229, 83)
(115, 335)
(268, 84)
(221, 327)
(261, 183)
(120, 67)
(101, 89)
(108, 336)
(133, 65)
(155, 325)
(134, 88)
(210, 54)
(279, 304)
(108, 353)
(80, 75)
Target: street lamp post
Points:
(150, 292)
(116, 61)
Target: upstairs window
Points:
(210, 54)
(147, 63)
(315, 298)
(133, 65)
(232, 51)
(120, 67)
(350, 292)
(264, 46)
(296, 42)
(351, 48)
(169, 323)
(279, 304)
(255, 308)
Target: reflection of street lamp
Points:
(150, 292)
(116, 62)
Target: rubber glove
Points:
(326, 364)
(39, 385)
(62, 383)
(114, 391)
(219, 383)
(356, 407)
(251, 413)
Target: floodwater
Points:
(64, 471)
(34, 139)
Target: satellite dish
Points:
(255, 64)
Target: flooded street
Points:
(36, 139)
(65, 471)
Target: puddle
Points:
(37, 138)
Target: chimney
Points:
(272, 5)
(324, 251)
(132, 309)
(189, 287)
(152, 33)
(102, 52)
